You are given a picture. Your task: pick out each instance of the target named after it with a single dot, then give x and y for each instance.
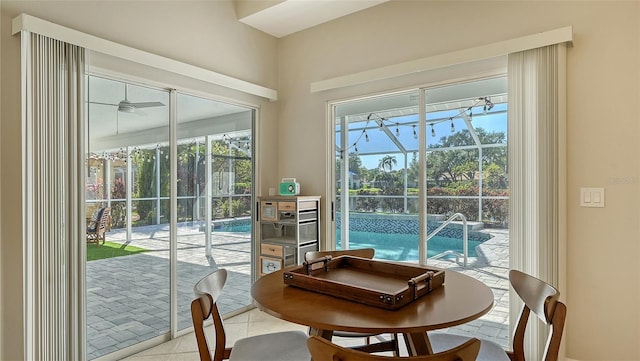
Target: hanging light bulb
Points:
(415, 135)
(366, 137)
(433, 131)
(488, 105)
(355, 150)
(397, 131)
(453, 127)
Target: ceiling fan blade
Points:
(147, 104)
(100, 103)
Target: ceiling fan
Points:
(127, 106)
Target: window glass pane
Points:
(377, 144)
(128, 262)
(215, 174)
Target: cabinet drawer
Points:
(308, 205)
(268, 211)
(271, 250)
(287, 206)
(268, 265)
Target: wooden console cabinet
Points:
(289, 226)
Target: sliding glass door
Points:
(429, 184)
(140, 275)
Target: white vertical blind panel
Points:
(534, 175)
(53, 107)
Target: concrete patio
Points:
(128, 297)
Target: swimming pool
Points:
(389, 246)
(404, 247)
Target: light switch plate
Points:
(592, 197)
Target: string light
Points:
(488, 105)
(380, 121)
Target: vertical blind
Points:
(53, 89)
(534, 120)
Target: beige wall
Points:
(603, 245)
(603, 263)
(202, 33)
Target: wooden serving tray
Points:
(376, 283)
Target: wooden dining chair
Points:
(539, 298)
(278, 346)
(381, 346)
(323, 350)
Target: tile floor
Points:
(250, 323)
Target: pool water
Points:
(404, 247)
(394, 247)
(238, 228)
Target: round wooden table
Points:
(460, 300)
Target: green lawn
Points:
(109, 250)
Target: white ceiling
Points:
(290, 16)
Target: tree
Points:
(388, 161)
(230, 158)
(146, 182)
(495, 177)
(462, 164)
(413, 173)
(355, 165)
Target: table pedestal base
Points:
(418, 344)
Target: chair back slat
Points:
(207, 291)
(212, 285)
(104, 218)
(537, 295)
(540, 299)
